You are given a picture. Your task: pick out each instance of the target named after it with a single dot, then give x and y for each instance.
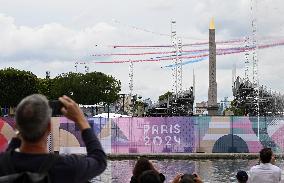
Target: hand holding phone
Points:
(72, 111)
(56, 106)
(197, 178)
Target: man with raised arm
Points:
(29, 152)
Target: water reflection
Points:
(210, 170)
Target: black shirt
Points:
(68, 168)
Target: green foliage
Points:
(67, 84)
(90, 88)
(139, 103)
(44, 87)
(238, 110)
(100, 88)
(165, 96)
(15, 85)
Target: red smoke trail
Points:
(166, 46)
(222, 51)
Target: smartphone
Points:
(188, 177)
(56, 106)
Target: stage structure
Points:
(181, 105)
(245, 97)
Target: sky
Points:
(42, 36)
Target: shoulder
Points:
(275, 168)
(255, 170)
(66, 164)
(1, 155)
(72, 160)
(5, 157)
(2, 162)
(254, 167)
(69, 159)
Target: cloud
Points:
(54, 38)
(51, 41)
(161, 4)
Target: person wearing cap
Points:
(265, 172)
(242, 176)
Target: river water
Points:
(210, 170)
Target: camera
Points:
(56, 106)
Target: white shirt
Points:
(265, 173)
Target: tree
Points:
(165, 96)
(238, 110)
(15, 85)
(90, 88)
(87, 89)
(67, 84)
(45, 87)
(101, 88)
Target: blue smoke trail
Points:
(188, 62)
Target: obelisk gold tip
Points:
(212, 25)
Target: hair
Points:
(242, 181)
(149, 176)
(142, 165)
(265, 155)
(242, 176)
(33, 115)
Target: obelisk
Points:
(212, 91)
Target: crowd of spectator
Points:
(265, 172)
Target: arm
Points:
(86, 167)
(14, 144)
(95, 162)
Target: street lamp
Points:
(107, 91)
(123, 101)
